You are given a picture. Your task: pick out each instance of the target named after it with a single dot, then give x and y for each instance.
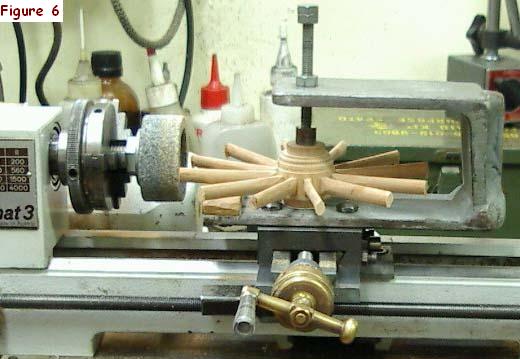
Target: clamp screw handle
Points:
(245, 318)
(300, 317)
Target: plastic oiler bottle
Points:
(84, 84)
(283, 119)
(162, 94)
(238, 126)
(212, 97)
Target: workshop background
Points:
(409, 39)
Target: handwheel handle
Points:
(300, 317)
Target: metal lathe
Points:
(275, 270)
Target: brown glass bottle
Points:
(108, 66)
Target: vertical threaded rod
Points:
(307, 16)
(307, 49)
(306, 117)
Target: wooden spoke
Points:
(399, 185)
(238, 188)
(338, 150)
(416, 170)
(314, 197)
(206, 175)
(381, 159)
(356, 192)
(229, 206)
(242, 154)
(275, 193)
(212, 162)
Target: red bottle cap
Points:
(214, 94)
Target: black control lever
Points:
(473, 34)
(481, 39)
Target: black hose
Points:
(190, 38)
(141, 41)
(55, 48)
(2, 98)
(22, 61)
(183, 6)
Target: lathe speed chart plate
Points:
(18, 202)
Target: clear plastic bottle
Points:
(238, 126)
(84, 84)
(283, 67)
(283, 119)
(108, 66)
(212, 97)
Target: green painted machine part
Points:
(422, 136)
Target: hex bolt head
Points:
(347, 207)
(273, 207)
(308, 14)
(306, 81)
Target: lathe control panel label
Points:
(18, 202)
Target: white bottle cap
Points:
(162, 92)
(282, 31)
(237, 112)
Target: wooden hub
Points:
(301, 162)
